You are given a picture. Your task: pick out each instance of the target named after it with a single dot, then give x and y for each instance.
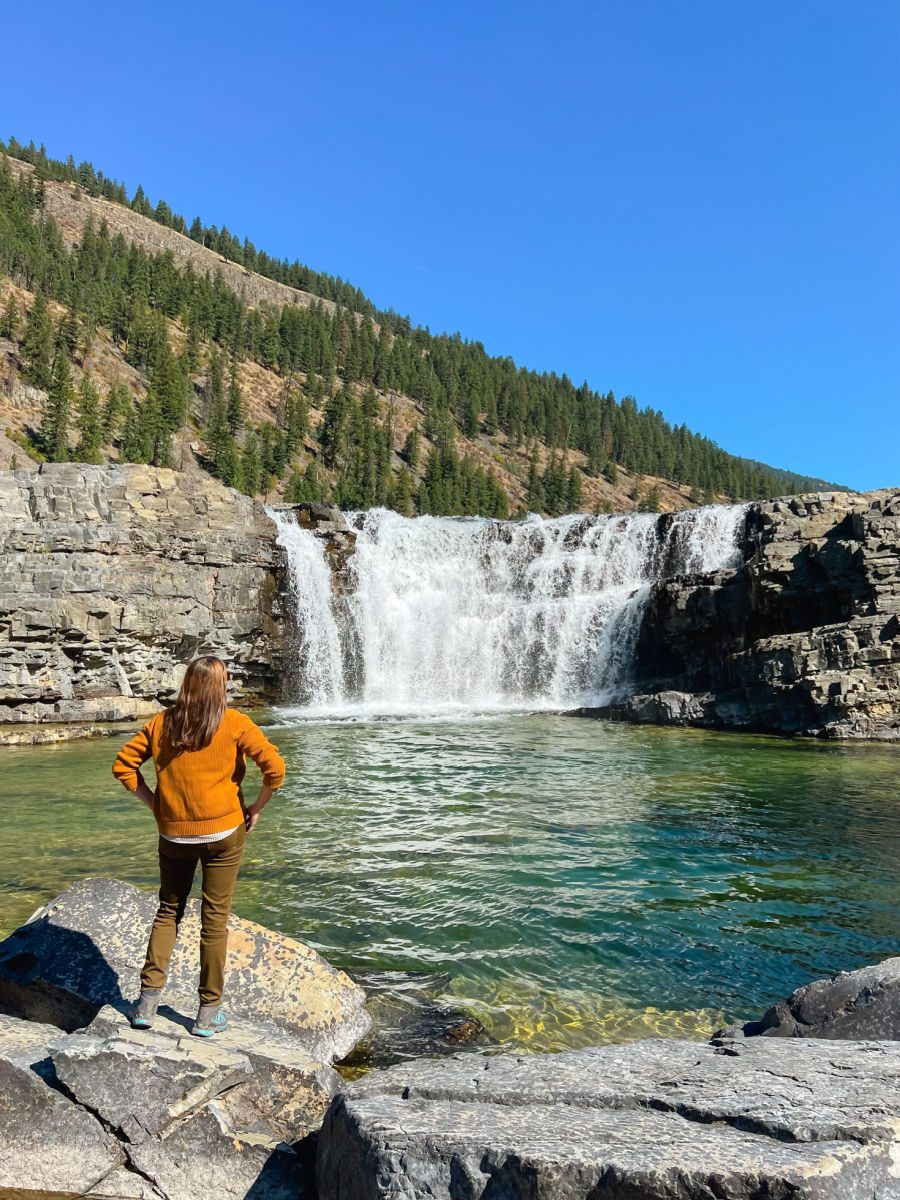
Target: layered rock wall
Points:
(803, 637)
(112, 578)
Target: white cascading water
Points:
(459, 614)
(318, 675)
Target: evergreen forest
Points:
(339, 361)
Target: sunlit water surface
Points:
(580, 881)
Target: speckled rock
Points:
(654, 1120)
(113, 577)
(862, 1004)
(85, 949)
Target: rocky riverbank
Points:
(90, 1107)
(111, 578)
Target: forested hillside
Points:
(173, 348)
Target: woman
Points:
(198, 748)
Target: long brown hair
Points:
(197, 713)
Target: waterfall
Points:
(318, 658)
(462, 614)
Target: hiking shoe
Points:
(144, 1010)
(210, 1020)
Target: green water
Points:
(580, 881)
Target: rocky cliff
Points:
(111, 578)
(803, 637)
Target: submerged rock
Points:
(656, 1119)
(411, 1018)
(85, 950)
(859, 1005)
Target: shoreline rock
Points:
(863, 1004)
(89, 1106)
(666, 1120)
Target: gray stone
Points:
(284, 1097)
(170, 1105)
(26, 1043)
(157, 1115)
(862, 1004)
(803, 637)
(203, 1157)
(138, 1088)
(48, 1144)
(113, 577)
(651, 1119)
(85, 949)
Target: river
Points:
(580, 881)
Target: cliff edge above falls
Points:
(802, 638)
(111, 578)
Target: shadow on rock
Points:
(55, 975)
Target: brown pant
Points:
(177, 864)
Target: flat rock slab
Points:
(85, 949)
(655, 1120)
(862, 1004)
(26, 1043)
(138, 1089)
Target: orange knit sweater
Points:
(199, 791)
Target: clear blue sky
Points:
(692, 201)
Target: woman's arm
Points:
(251, 816)
(126, 767)
(254, 743)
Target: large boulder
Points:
(860, 1004)
(144, 1117)
(647, 1121)
(162, 1115)
(84, 950)
(47, 1144)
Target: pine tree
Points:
(235, 409)
(250, 466)
(535, 497)
(90, 423)
(57, 412)
(10, 318)
(117, 408)
(68, 332)
(37, 346)
(402, 493)
(411, 447)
